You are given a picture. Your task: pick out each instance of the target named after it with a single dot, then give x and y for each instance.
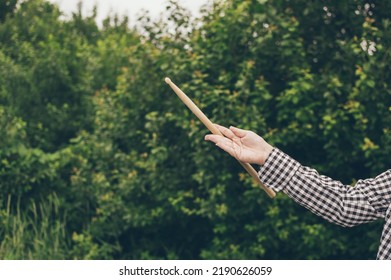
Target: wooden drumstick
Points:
(204, 119)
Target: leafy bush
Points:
(86, 115)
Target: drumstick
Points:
(204, 119)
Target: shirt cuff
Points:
(278, 170)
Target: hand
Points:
(244, 145)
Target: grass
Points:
(36, 233)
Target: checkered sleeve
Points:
(340, 204)
(368, 200)
(384, 252)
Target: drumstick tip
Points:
(167, 80)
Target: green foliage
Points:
(85, 115)
(7, 7)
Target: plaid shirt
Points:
(347, 206)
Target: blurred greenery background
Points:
(100, 160)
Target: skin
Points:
(244, 145)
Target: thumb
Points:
(237, 131)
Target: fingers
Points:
(222, 142)
(227, 147)
(238, 132)
(231, 133)
(213, 138)
(225, 131)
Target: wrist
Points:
(266, 151)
